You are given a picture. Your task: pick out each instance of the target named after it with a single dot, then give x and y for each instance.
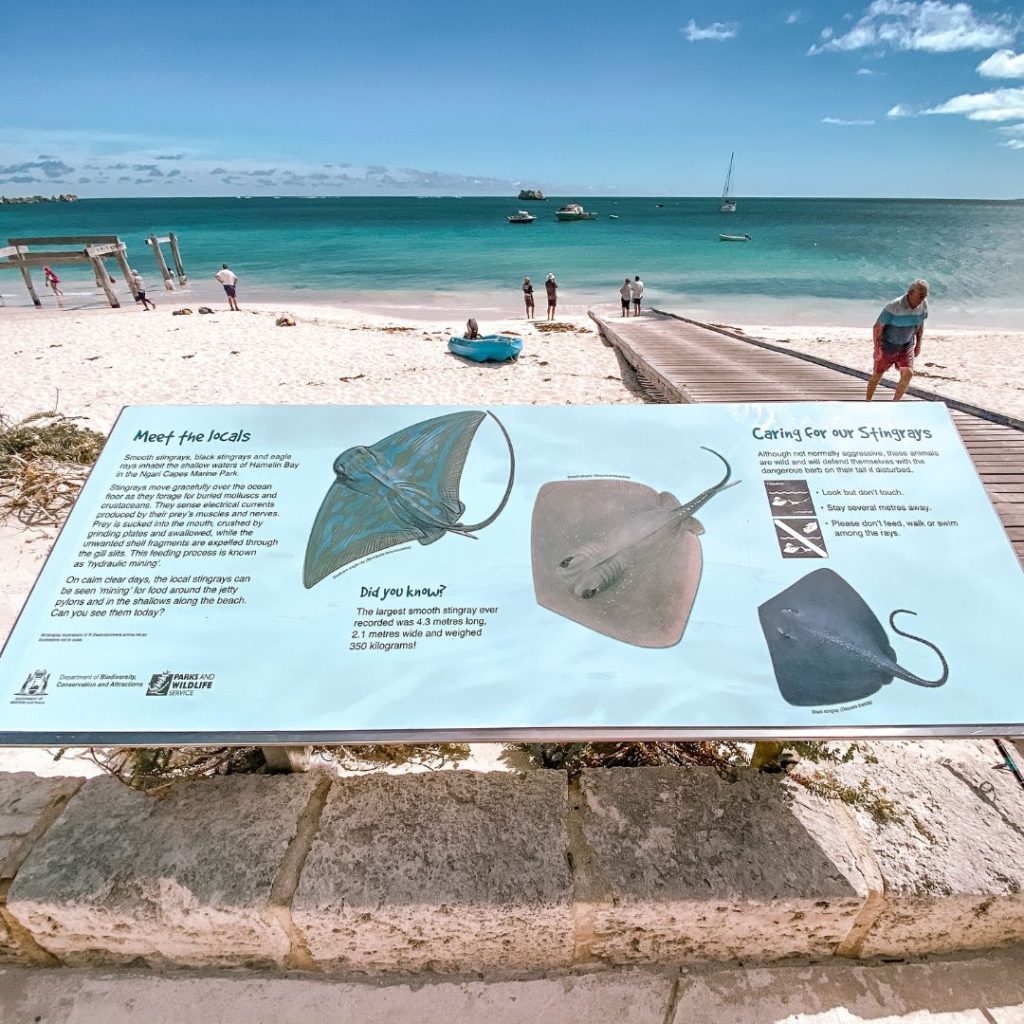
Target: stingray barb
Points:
(827, 646)
(403, 488)
(619, 557)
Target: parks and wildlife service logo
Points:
(178, 684)
(33, 690)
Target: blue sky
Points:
(895, 98)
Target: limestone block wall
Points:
(464, 873)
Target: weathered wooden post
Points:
(179, 267)
(27, 275)
(164, 272)
(104, 281)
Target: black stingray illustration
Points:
(619, 557)
(403, 488)
(827, 646)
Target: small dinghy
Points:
(734, 238)
(495, 348)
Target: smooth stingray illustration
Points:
(619, 557)
(403, 488)
(827, 646)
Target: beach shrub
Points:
(44, 460)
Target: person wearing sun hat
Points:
(551, 286)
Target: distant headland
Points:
(64, 197)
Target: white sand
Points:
(983, 368)
(101, 359)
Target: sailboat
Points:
(728, 203)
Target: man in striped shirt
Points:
(897, 334)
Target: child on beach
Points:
(551, 286)
(52, 281)
(528, 295)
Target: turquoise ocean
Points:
(809, 261)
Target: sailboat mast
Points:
(728, 203)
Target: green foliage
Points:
(46, 435)
(153, 769)
(375, 757)
(863, 795)
(574, 757)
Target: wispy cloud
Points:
(847, 122)
(172, 156)
(930, 26)
(717, 31)
(794, 17)
(51, 168)
(865, 71)
(901, 110)
(1002, 64)
(996, 105)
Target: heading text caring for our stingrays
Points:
(862, 433)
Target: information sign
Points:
(328, 573)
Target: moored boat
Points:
(573, 211)
(495, 348)
(734, 238)
(522, 217)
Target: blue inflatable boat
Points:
(496, 348)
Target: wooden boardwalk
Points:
(689, 362)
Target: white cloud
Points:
(997, 105)
(865, 71)
(845, 122)
(930, 26)
(1002, 64)
(794, 17)
(717, 31)
(901, 110)
(1016, 130)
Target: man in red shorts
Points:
(897, 334)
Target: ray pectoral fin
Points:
(901, 672)
(350, 526)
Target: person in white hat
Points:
(551, 286)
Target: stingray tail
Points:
(466, 530)
(693, 506)
(902, 673)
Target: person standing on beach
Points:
(52, 281)
(897, 336)
(625, 292)
(140, 290)
(528, 295)
(229, 279)
(638, 294)
(551, 286)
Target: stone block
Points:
(679, 865)
(28, 807)
(948, 837)
(455, 871)
(184, 878)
